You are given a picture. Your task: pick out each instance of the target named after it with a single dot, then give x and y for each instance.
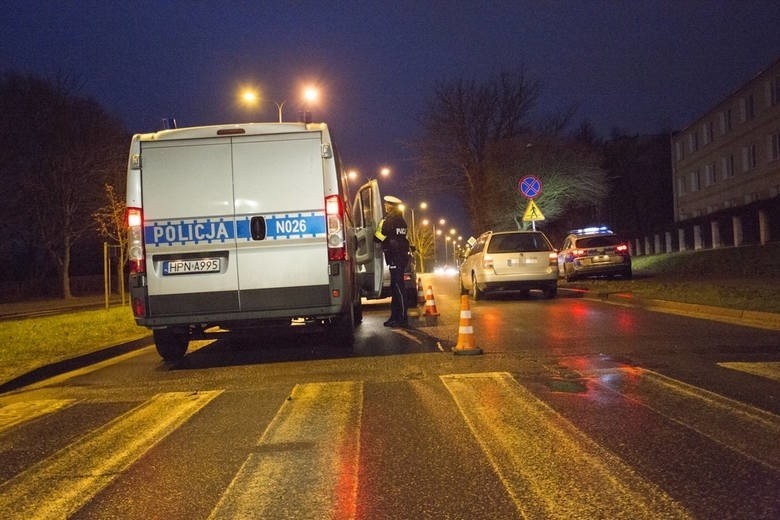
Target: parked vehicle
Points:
(510, 261)
(242, 224)
(594, 251)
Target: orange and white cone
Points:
(420, 292)
(465, 344)
(430, 303)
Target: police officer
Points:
(391, 232)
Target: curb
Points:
(757, 319)
(66, 365)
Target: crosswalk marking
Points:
(306, 461)
(769, 369)
(743, 428)
(549, 468)
(59, 485)
(16, 413)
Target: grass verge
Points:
(745, 278)
(31, 343)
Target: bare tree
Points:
(65, 149)
(569, 171)
(460, 123)
(478, 142)
(110, 223)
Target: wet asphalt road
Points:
(575, 409)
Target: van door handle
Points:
(257, 227)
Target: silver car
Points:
(594, 252)
(510, 261)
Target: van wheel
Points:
(357, 312)
(171, 343)
(344, 328)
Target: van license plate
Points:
(195, 266)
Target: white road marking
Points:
(749, 431)
(770, 369)
(550, 468)
(306, 462)
(23, 411)
(58, 486)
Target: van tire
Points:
(357, 312)
(171, 343)
(344, 328)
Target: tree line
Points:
(63, 168)
(480, 138)
(63, 156)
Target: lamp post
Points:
(353, 174)
(310, 95)
(415, 238)
(250, 96)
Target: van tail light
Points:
(621, 249)
(552, 259)
(334, 215)
(487, 262)
(135, 241)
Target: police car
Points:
(594, 251)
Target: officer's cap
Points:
(389, 199)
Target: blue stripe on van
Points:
(283, 226)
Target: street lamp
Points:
(415, 238)
(310, 95)
(354, 174)
(250, 96)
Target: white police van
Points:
(246, 224)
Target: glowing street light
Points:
(310, 94)
(251, 97)
(354, 175)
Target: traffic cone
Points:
(420, 292)
(430, 303)
(465, 345)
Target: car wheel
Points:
(628, 275)
(476, 293)
(171, 343)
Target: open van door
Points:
(367, 212)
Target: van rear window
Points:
(518, 243)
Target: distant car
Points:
(595, 251)
(510, 261)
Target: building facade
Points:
(726, 169)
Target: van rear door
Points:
(189, 233)
(279, 200)
(367, 212)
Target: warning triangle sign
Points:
(532, 212)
